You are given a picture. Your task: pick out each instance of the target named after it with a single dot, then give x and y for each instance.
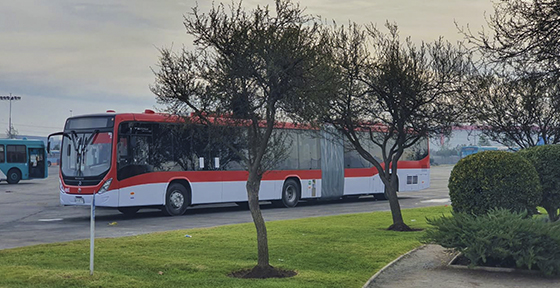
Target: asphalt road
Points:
(31, 214)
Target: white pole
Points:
(10, 118)
(91, 234)
(10, 98)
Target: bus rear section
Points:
(138, 160)
(22, 160)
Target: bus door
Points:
(36, 163)
(332, 164)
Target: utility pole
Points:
(10, 98)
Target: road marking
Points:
(50, 220)
(436, 200)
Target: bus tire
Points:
(14, 176)
(177, 199)
(49, 163)
(128, 211)
(291, 193)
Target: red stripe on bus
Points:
(231, 176)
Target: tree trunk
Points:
(552, 213)
(398, 222)
(253, 185)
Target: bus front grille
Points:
(71, 182)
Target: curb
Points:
(391, 264)
(489, 269)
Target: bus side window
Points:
(16, 153)
(2, 157)
(122, 149)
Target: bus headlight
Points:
(60, 186)
(105, 186)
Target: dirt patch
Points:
(263, 272)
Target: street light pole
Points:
(10, 98)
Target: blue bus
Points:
(468, 150)
(22, 160)
(53, 158)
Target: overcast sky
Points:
(67, 57)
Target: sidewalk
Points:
(427, 267)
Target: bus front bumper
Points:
(107, 199)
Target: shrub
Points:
(501, 237)
(494, 179)
(546, 160)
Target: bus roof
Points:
(151, 116)
(22, 142)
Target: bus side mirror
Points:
(48, 147)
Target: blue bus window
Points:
(16, 153)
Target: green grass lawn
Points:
(334, 251)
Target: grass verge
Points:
(333, 251)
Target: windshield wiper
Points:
(80, 145)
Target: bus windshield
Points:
(86, 154)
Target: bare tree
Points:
(11, 133)
(393, 94)
(250, 70)
(518, 113)
(522, 34)
(517, 101)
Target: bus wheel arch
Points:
(291, 192)
(177, 197)
(14, 175)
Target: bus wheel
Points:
(128, 211)
(49, 163)
(14, 176)
(290, 193)
(176, 200)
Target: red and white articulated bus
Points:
(137, 160)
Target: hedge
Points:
(494, 179)
(500, 237)
(546, 160)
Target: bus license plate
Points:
(79, 200)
